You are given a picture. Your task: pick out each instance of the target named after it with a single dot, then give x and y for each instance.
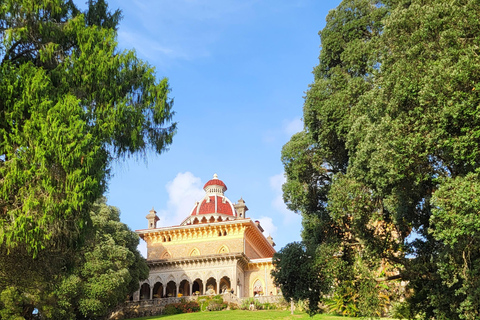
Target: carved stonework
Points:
(216, 248)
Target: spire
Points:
(241, 208)
(152, 219)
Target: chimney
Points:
(258, 225)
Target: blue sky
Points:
(238, 71)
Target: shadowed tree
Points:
(388, 163)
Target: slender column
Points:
(204, 283)
(191, 288)
(178, 287)
(151, 292)
(164, 290)
(233, 281)
(218, 281)
(266, 293)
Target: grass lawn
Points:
(244, 314)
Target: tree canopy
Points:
(387, 168)
(71, 102)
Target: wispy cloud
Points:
(169, 30)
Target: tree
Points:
(108, 269)
(295, 267)
(102, 273)
(316, 158)
(387, 166)
(71, 103)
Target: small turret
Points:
(257, 223)
(270, 240)
(152, 219)
(241, 208)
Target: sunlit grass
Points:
(244, 314)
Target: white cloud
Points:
(268, 226)
(290, 127)
(182, 191)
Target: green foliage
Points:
(71, 103)
(109, 269)
(246, 303)
(388, 164)
(212, 303)
(302, 277)
(182, 307)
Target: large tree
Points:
(107, 270)
(70, 103)
(387, 168)
(97, 278)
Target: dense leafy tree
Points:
(388, 165)
(108, 269)
(295, 267)
(70, 104)
(100, 275)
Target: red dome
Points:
(217, 204)
(215, 182)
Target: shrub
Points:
(246, 304)
(216, 306)
(214, 303)
(269, 306)
(182, 307)
(232, 306)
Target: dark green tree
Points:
(387, 167)
(108, 269)
(303, 275)
(318, 157)
(70, 103)
(96, 279)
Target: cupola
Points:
(214, 207)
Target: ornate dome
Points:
(214, 206)
(215, 182)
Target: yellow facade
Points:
(216, 249)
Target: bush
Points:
(246, 304)
(269, 306)
(400, 310)
(216, 306)
(232, 306)
(182, 307)
(214, 303)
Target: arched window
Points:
(145, 291)
(257, 288)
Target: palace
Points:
(216, 249)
